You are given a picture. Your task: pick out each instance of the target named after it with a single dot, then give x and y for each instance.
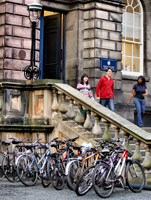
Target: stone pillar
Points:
(102, 39)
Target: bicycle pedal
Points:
(126, 187)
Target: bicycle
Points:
(107, 173)
(29, 166)
(9, 159)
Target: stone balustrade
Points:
(73, 103)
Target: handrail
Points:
(102, 111)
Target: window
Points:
(132, 38)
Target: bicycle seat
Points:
(29, 146)
(105, 151)
(43, 145)
(6, 143)
(16, 142)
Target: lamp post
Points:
(32, 72)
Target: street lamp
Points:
(32, 71)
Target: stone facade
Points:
(15, 39)
(93, 30)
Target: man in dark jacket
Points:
(105, 90)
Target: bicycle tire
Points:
(103, 187)
(74, 173)
(27, 170)
(134, 170)
(48, 173)
(58, 181)
(9, 167)
(85, 182)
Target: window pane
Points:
(128, 49)
(129, 33)
(137, 34)
(129, 19)
(136, 50)
(128, 64)
(137, 20)
(136, 65)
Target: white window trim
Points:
(141, 48)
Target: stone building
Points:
(73, 36)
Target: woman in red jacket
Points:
(105, 90)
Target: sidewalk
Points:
(17, 191)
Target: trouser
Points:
(140, 107)
(108, 102)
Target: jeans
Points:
(140, 107)
(108, 102)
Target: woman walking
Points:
(85, 89)
(139, 91)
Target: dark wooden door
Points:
(52, 47)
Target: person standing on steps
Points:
(85, 89)
(139, 91)
(105, 90)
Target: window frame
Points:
(141, 43)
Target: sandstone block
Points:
(115, 36)
(13, 19)
(88, 44)
(26, 22)
(2, 8)
(1, 63)
(101, 14)
(92, 53)
(92, 14)
(118, 46)
(86, 53)
(8, 30)
(115, 17)
(101, 34)
(101, 53)
(109, 7)
(105, 44)
(1, 52)
(86, 34)
(21, 32)
(2, 30)
(116, 55)
(26, 43)
(1, 41)
(88, 63)
(119, 27)
(9, 8)
(86, 14)
(97, 43)
(2, 19)
(89, 5)
(12, 42)
(118, 76)
(98, 23)
(117, 84)
(119, 65)
(19, 75)
(21, 10)
(14, 64)
(108, 25)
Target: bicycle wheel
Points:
(102, 181)
(85, 182)
(135, 176)
(48, 173)
(27, 170)
(9, 167)
(58, 180)
(74, 173)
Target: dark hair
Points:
(82, 77)
(109, 69)
(143, 80)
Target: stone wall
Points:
(15, 39)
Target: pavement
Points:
(17, 191)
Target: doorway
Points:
(53, 64)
